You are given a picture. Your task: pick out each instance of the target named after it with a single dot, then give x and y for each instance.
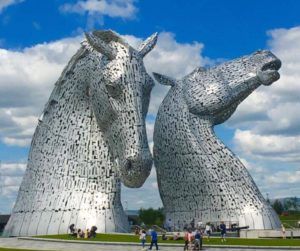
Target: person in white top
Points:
(208, 230)
(143, 238)
(283, 231)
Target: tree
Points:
(295, 203)
(278, 207)
(152, 216)
(291, 204)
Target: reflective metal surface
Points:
(198, 176)
(90, 137)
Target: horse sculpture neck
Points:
(70, 173)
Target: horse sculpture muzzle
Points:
(269, 72)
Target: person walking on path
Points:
(188, 239)
(143, 238)
(153, 240)
(198, 240)
(223, 231)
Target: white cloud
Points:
(284, 177)
(146, 196)
(26, 80)
(10, 180)
(97, 9)
(174, 59)
(5, 3)
(16, 142)
(274, 179)
(252, 167)
(12, 169)
(268, 121)
(28, 76)
(276, 147)
(170, 58)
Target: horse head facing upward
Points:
(186, 148)
(120, 99)
(215, 93)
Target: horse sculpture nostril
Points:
(273, 65)
(128, 165)
(136, 170)
(143, 162)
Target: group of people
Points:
(193, 239)
(154, 238)
(209, 228)
(192, 236)
(78, 233)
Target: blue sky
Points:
(227, 28)
(38, 37)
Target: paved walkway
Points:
(42, 245)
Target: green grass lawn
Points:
(290, 220)
(212, 241)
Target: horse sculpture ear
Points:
(164, 80)
(100, 45)
(148, 44)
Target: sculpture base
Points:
(255, 220)
(276, 233)
(53, 223)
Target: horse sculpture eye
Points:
(113, 90)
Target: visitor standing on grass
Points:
(153, 239)
(169, 225)
(208, 230)
(223, 231)
(283, 231)
(143, 238)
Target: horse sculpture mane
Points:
(199, 178)
(90, 137)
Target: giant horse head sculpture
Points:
(91, 136)
(120, 99)
(215, 93)
(186, 148)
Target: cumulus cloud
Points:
(97, 9)
(28, 76)
(12, 169)
(26, 79)
(268, 121)
(170, 58)
(146, 196)
(10, 180)
(277, 147)
(285, 177)
(5, 3)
